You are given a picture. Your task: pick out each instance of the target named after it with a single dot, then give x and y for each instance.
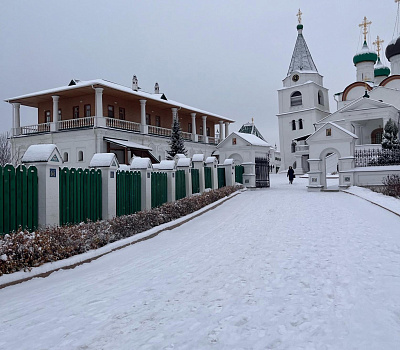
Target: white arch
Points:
(237, 157)
(324, 153)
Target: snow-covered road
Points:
(278, 268)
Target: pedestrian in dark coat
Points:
(290, 174)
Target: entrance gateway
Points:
(262, 172)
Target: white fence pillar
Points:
(229, 165)
(249, 174)
(144, 166)
(198, 163)
(169, 167)
(108, 164)
(212, 162)
(186, 165)
(315, 181)
(47, 159)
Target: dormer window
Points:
(296, 99)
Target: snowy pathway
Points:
(279, 268)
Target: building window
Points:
(121, 113)
(320, 98)
(208, 131)
(376, 136)
(293, 147)
(158, 121)
(296, 99)
(300, 123)
(233, 140)
(201, 130)
(110, 110)
(65, 157)
(329, 132)
(189, 127)
(88, 111)
(47, 116)
(80, 156)
(59, 114)
(75, 112)
(148, 119)
(293, 125)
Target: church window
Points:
(293, 125)
(300, 123)
(121, 113)
(296, 99)
(320, 98)
(80, 156)
(148, 119)
(110, 110)
(293, 147)
(75, 112)
(65, 157)
(88, 111)
(376, 136)
(47, 116)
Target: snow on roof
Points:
(38, 153)
(122, 88)
(140, 163)
(167, 165)
(128, 144)
(124, 167)
(229, 161)
(179, 155)
(210, 160)
(103, 160)
(344, 130)
(156, 166)
(184, 162)
(252, 139)
(198, 157)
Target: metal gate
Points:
(262, 172)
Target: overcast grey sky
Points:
(226, 57)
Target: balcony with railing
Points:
(106, 122)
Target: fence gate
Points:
(180, 184)
(158, 189)
(239, 169)
(195, 180)
(262, 172)
(128, 192)
(80, 195)
(18, 198)
(221, 177)
(207, 177)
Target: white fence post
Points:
(144, 166)
(212, 162)
(198, 163)
(47, 159)
(249, 174)
(169, 167)
(108, 164)
(229, 165)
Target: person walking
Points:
(290, 174)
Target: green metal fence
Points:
(207, 177)
(128, 192)
(180, 184)
(158, 189)
(195, 180)
(18, 198)
(221, 177)
(239, 170)
(80, 195)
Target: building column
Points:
(221, 130)
(16, 119)
(144, 129)
(54, 124)
(226, 129)
(194, 136)
(358, 132)
(174, 114)
(204, 117)
(99, 120)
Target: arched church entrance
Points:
(237, 157)
(330, 168)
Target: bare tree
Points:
(5, 149)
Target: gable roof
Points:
(333, 125)
(252, 140)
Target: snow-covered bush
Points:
(24, 250)
(391, 186)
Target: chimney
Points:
(156, 88)
(135, 83)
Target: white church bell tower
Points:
(303, 101)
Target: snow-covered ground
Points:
(279, 268)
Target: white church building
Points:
(317, 142)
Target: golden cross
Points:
(365, 24)
(300, 13)
(378, 43)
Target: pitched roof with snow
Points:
(38, 153)
(103, 160)
(252, 139)
(250, 128)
